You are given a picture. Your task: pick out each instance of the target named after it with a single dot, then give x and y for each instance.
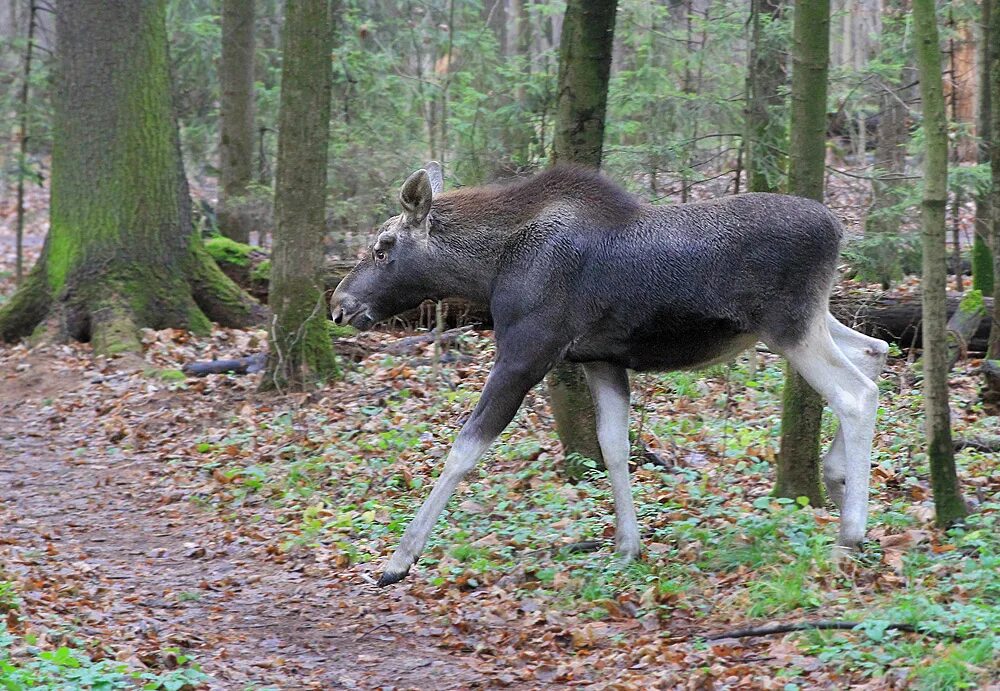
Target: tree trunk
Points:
(982, 259)
(236, 124)
(584, 71)
(301, 352)
(22, 137)
(888, 188)
(765, 79)
(948, 501)
(992, 389)
(120, 253)
(798, 468)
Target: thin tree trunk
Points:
(584, 71)
(23, 142)
(992, 389)
(948, 501)
(957, 201)
(301, 350)
(888, 189)
(798, 468)
(765, 163)
(237, 106)
(982, 259)
(121, 252)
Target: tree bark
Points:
(798, 467)
(120, 253)
(765, 117)
(992, 388)
(301, 353)
(948, 503)
(584, 70)
(982, 259)
(237, 105)
(22, 163)
(582, 97)
(888, 187)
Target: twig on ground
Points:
(769, 629)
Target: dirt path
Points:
(114, 546)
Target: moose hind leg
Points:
(609, 387)
(868, 355)
(854, 399)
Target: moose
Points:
(575, 268)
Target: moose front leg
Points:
(610, 390)
(508, 383)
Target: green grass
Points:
(710, 517)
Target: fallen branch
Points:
(986, 445)
(839, 625)
(244, 365)
(405, 345)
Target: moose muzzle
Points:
(348, 310)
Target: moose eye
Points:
(380, 255)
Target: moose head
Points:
(396, 274)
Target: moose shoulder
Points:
(575, 268)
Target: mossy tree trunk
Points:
(765, 116)
(584, 70)
(798, 468)
(301, 350)
(948, 502)
(236, 122)
(120, 253)
(982, 259)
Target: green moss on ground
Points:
(226, 251)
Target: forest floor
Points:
(176, 532)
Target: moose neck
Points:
(467, 243)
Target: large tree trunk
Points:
(766, 76)
(948, 501)
(982, 259)
(798, 462)
(584, 70)
(301, 352)
(120, 253)
(236, 124)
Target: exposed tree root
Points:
(108, 305)
(26, 309)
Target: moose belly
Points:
(647, 348)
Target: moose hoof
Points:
(390, 577)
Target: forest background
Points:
(475, 86)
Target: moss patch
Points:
(261, 272)
(226, 251)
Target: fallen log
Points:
(963, 324)
(896, 318)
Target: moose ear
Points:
(436, 175)
(415, 196)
